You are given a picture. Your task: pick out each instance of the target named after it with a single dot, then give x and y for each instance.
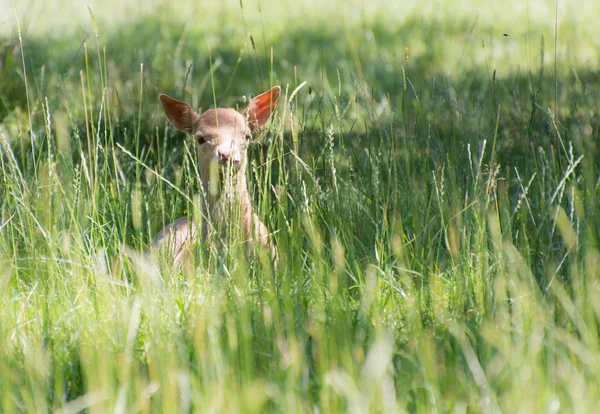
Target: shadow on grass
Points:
(376, 148)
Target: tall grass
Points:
(436, 225)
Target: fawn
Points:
(221, 136)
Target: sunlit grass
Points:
(432, 191)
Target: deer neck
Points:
(228, 198)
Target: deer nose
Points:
(227, 155)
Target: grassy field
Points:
(432, 189)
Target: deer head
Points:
(221, 134)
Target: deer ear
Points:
(261, 107)
(179, 113)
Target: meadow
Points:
(431, 178)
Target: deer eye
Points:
(200, 139)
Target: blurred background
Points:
(390, 52)
(366, 42)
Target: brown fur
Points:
(218, 131)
